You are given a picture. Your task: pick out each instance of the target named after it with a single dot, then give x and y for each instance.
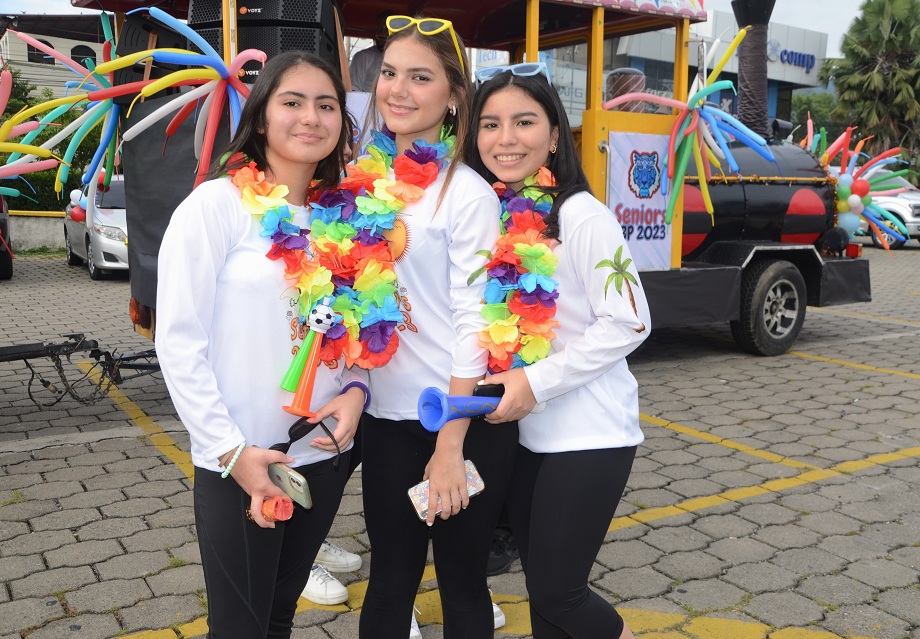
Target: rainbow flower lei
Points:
(337, 257)
(346, 253)
(520, 297)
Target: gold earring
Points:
(552, 149)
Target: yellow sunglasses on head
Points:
(427, 27)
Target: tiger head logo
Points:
(644, 174)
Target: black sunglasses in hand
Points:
(298, 430)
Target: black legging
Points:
(560, 507)
(395, 456)
(254, 575)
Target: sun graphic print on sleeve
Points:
(619, 277)
(341, 259)
(520, 296)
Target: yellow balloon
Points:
(7, 126)
(132, 58)
(843, 206)
(725, 58)
(179, 76)
(701, 173)
(25, 149)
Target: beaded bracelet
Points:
(236, 456)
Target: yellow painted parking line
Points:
(721, 441)
(648, 624)
(863, 367)
(158, 437)
(882, 318)
(644, 623)
(773, 486)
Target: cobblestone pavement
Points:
(773, 497)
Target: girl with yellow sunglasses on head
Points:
(437, 213)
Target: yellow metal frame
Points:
(596, 123)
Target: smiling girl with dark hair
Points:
(566, 308)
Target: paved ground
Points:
(773, 497)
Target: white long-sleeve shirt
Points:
(592, 400)
(226, 329)
(441, 313)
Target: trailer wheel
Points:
(772, 308)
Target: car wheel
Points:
(72, 258)
(95, 273)
(772, 308)
(893, 243)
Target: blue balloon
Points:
(849, 222)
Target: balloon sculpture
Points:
(856, 186)
(701, 130)
(217, 87)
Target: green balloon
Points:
(866, 199)
(843, 192)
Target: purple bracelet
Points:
(362, 386)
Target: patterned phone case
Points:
(418, 494)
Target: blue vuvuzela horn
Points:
(436, 408)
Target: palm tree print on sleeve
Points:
(619, 277)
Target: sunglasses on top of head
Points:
(522, 69)
(427, 27)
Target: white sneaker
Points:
(336, 559)
(414, 632)
(324, 589)
(497, 614)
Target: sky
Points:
(830, 16)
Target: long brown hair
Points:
(248, 139)
(442, 46)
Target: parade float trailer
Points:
(751, 242)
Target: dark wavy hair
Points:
(564, 163)
(248, 139)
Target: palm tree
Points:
(878, 78)
(620, 276)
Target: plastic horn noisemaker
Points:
(436, 408)
(301, 374)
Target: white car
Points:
(101, 237)
(905, 206)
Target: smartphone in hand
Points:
(292, 483)
(489, 390)
(418, 494)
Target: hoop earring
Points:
(552, 149)
(453, 110)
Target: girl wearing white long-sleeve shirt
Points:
(228, 321)
(445, 212)
(566, 308)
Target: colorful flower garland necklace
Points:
(345, 253)
(520, 297)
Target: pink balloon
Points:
(57, 55)
(245, 56)
(21, 129)
(31, 167)
(648, 97)
(6, 85)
